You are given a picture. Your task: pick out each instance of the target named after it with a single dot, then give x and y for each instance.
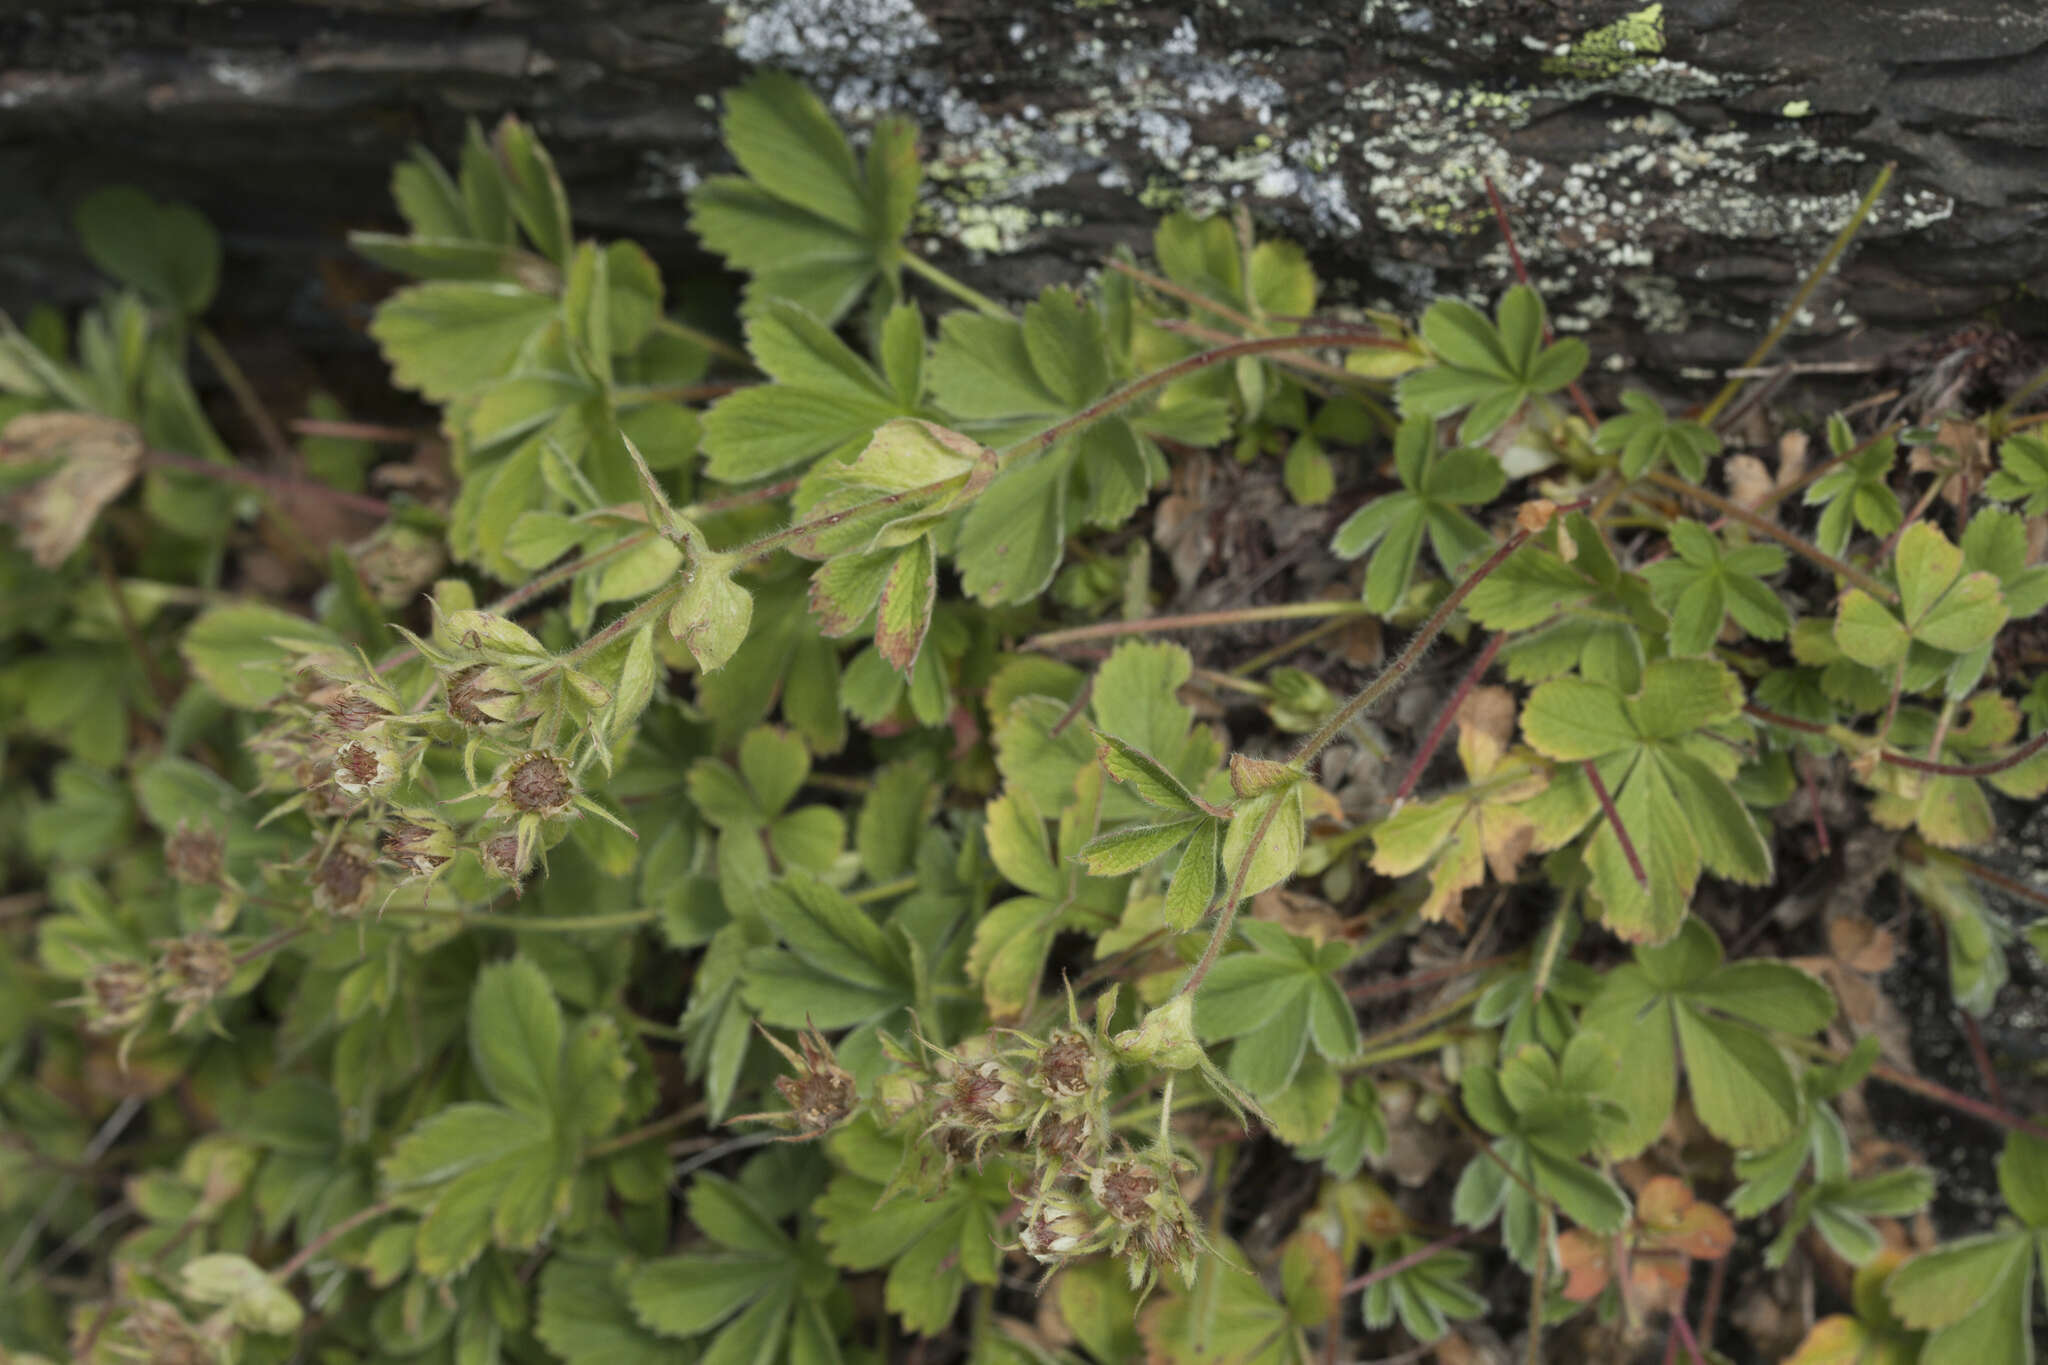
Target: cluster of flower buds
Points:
(821, 1093)
(189, 972)
(1041, 1102)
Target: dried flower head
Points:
(1056, 1227)
(821, 1094)
(118, 996)
(987, 1094)
(1067, 1066)
(1069, 1141)
(353, 711)
(1126, 1188)
(161, 1336)
(536, 783)
(195, 856)
(503, 857)
(195, 968)
(481, 695)
(364, 766)
(342, 881)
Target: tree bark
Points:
(1672, 170)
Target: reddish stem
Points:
(1507, 235)
(275, 484)
(1820, 825)
(1408, 1262)
(1375, 990)
(1628, 848)
(1981, 1055)
(1448, 716)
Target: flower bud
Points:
(398, 562)
(493, 637)
(1166, 1037)
(195, 857)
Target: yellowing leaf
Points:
(95, 459)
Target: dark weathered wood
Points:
(1667, 199)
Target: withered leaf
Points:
(95, 460)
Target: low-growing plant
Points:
(712, 852)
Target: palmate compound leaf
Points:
(825, 401)
(1428, 1296)
(759, 1296)
(1974, 1296)
(807, 222)
(1704, 585)
(1940, 605)
(1545, 1112)
(1855, 492)
(1680, 1001)
(1493, 370)
(933, 1247)
(1646, 435)
(1276, 1002)
(1434, 486)
(1669, 781)
(504, 1172)
(1460, 837)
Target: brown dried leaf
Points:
(96, 458)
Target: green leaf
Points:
(1273, 859)
(1958, 1279)
(837, 969)
(1014, 535)
(515, 1035)
(1392, 528)
(444, 339)
(248, 653)
(1493, 371)
(1868, 632)
(904, 611)
(1742, 1089)
(712, 615)
(585, 1318)
(1646, 436)
(1063, 337)
(168, 251)
(535, 191)
(1154, 784)
(2022, 475)
(1194, 879)
(2023, 1178)
(1126, 850)
(787, 143)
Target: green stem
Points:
(659, 1128)
(328, 1239)
(1197, 620)
(243, 392)
(538, 924)
(1812, 282)
(1771, 530)
(884, 891)
(643, 611)
(718, 346)
(1053, 434)
(918, 265)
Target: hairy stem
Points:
(1762, 526)
(276, 484)
(1199, 620)
(1408, 1262)
(1447, 717)
(1373, 692)
(1628, 847)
